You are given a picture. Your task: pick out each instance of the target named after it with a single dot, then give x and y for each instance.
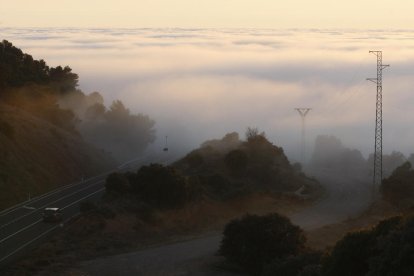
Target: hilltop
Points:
(230, 166)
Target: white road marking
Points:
(24, 228)
(25, 215)
(44, 233)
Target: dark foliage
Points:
(117, 183)
(307, 263)
(154, 185)
(236, 161)
(387, 249)
(219, 187)
(227, 167)
(31, 85)
(162, 187)
(254, 241)
(194, 160)
(19, 69)
(398, 189)
(350, 255)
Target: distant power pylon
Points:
(303, 111)
(377, 179)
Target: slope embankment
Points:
(36, 156)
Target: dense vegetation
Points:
(218, 171)
(387, 249)
(52, 133)
(398, 188)
(254, 241)
(155, 185)
(229, 167)
(52, 94)
(271, 245)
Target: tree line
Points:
(52, 94)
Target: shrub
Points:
(387, 249)
(254, 241)
(350, 255)
(236, 161)
(194, 159)
(117, 183)
(303, 264)
(398, 189)
(162, 187)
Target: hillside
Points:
(229, 167)
(37, 156)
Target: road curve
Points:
(195, 257)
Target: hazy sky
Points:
(209, 13)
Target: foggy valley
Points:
(197, 84)
(178, 151)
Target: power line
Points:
(377, 178)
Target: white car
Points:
(52, 214)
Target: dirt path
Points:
(347, 196)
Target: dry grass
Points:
(39, 157)
(325, 237)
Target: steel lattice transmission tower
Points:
(378, 124)
(303, 111)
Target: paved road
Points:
(22, 228)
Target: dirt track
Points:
(347, 196)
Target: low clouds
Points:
(199, 84)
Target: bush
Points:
(398, 189)
(254, 241)
(303, 264)
(350, 255)
(236, 161)
(162, 187)
(117, 183)
(194, 159)
(387, 249)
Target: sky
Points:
(360, 14)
